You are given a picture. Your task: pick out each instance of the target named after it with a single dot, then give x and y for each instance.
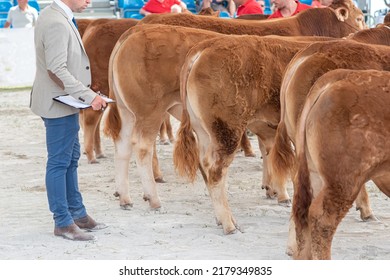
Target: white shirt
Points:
(20, 19)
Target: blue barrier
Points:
(35, 5)
(190, 5)
(267, 7)
(307, 2)
(4, 8)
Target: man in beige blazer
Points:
(62, 67)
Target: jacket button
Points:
(87, 67)
(88, 85)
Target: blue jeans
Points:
(63, 149)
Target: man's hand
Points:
(98, 103)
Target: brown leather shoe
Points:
(89, 224)
(73, 232)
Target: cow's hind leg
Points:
(158, 176)
(325, 213)
(143, 139)
(363, 205)
(215, 164)
(166, 131)
(246, 146)
(266, 180)
(216, 185)
(217, 147)
(91, 122)
(265, 135)
(123, 151)
(98, 143)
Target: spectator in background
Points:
(22, 15)
(162, 6)
(246, 7)
(316, 4)
(287, 8)
(321, 3)
(262, 4)
(220, 5)
(326, 3)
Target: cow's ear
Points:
(342, 14)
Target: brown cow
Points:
(99, 40)
(337, 20)
(82, 24)
(281, 156)
(221, 98)
(253, 17)
(143, 99)
(145, 90)
(307, 66)
(379, 35)
(346, 118)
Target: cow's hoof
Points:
(159, 210)
(289, 251)
(101, 156)
(370, 218)
(164, 142)
(160, 180)
(93, 161)
(286, 203)
(270, 194)
(154, 203)
(231, 230)
(127, 206)
(251, 154)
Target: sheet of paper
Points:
(71, 101)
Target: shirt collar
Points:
(66, 9)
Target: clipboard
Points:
(73, 102)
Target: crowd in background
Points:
(24, 15)
(235, 8)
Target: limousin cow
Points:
(84, 23)
(306, 67)
(342, 142)
(379, 35)
(282, 155)
(221, 98)
(99, 40)
(340, 19)
(145, 91)
(101, 36)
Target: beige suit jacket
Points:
(62, 65)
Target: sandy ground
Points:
(184, 230)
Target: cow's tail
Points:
(112, 123)
(302, 189)
(186, 150)
(282, 156)
(303, 194)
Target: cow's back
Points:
(311, 22)
(99, 43)
(378, 36)
(317, 59)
